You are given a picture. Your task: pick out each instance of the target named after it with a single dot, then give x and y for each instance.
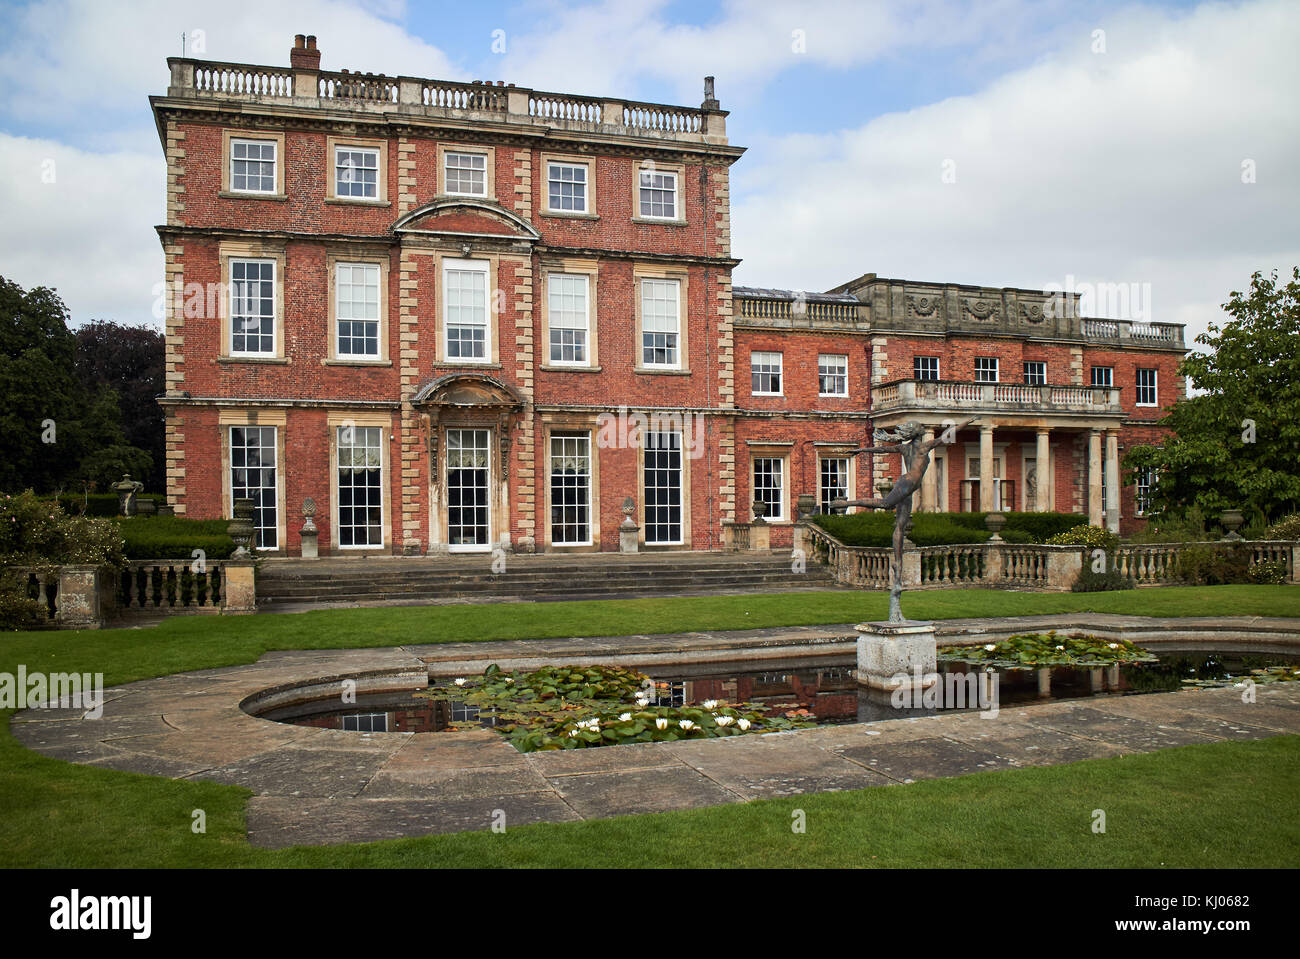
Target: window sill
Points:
(770, 396)
(570, 215)
(650, 371)
(569, 369)
(466, 196)
(338, 361)
(251, 195)
(467, 365)
(832, 396)
(658, 220)
(356, 201)
(268, 360)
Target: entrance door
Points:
(663, 488)
(468, 470)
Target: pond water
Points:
(823, 690)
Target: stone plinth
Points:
(80, 597)
(889, 650)
(309, 546)
(240, 594)
(627, 537)
(760, 537)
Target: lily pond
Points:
(572, 707)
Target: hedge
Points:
(944, 529)
(175, 537)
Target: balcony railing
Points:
(1154, 334)
(1008, 397)
(415, 96)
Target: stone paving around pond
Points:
(318, 786)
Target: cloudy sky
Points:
(1004, 142)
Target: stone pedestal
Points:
(760, 537)
(240, 593)
(80, 597)
(309, 546)
(887, 651)
(627, 537)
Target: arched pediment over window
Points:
(468, 391)
(462, 217)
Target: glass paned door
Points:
(252, 476)
(360, 467)
(468, 465)
(571, 490)
(663, 488)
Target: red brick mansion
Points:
(462, 315)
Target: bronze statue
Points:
(907, 441)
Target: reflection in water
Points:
(824, 693)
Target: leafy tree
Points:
(52, 428)
(129, 361)
(1237, 446)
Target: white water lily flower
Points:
(510, 679)
(1060, 647)
(459, 680)
(990, 646)
(685, 724)
(743, 723)
(661, 723)
(710, 704)
(573, 732)
(624, 717)
(725, 720)
(1114, 645)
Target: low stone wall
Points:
(1019, 566)
(89, 597)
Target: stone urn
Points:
(994, 522)
(240, 528)
(1232, 520)
(807, 505)
(760, 510)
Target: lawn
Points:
(1193, 806)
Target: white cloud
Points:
(75, 59)
(751, 42)
(88, 232)
(1121, 167)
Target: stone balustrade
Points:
(88, 597)
(999, 397)
(1020, 566)
(441, 99)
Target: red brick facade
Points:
(446, 452)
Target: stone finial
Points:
(710, 100)
(629, 507)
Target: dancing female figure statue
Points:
(907, 441)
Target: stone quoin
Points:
(413, 300)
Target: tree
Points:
(51, 426)
(129, 361)
(1238, 445)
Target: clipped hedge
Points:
(174, 537)
(944, 529)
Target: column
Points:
(987, 503)
(1043, 465)
(1094, 478)
(929, 498)
(1112, 481)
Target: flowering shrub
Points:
(1093, 537)
(1032, 650)
(1286, 528)
(39, 533)
(575, 707)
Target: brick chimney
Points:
(304, 55)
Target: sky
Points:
(1146, 149)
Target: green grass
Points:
(1225, 804)
(1194, 806)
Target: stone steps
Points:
(525, 578)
